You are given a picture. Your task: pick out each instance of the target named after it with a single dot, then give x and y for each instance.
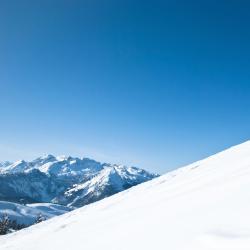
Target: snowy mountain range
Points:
(68, 181)
(203, 206)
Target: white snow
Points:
(27, 214)
(204, 206)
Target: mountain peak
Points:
(63, 158)
(47, 156)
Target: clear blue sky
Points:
(156, 84)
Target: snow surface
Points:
(203, 206)
(27, 214)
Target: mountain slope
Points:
(203, 206)
(29, 187)
(111, 180)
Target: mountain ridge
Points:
(49, 178)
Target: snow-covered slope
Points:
(56, 179)
(28, 214)
(204, 206)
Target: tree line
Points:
(8, 225)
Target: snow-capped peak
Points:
(5, 163)
(49, 164)
(18, 166)
(43, 159)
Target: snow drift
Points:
(203, 206)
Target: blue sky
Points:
(156, 84)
